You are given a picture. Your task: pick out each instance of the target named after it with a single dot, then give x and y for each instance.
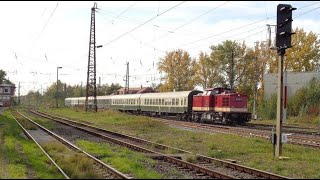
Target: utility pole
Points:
(283, 41)
(285, 95)
(81, 90)
(255, 87)
(91, 89)
(231, 71)
(126, 89)
(19, 94)
(65, 89)
(99, 87)
(57, 92)
(41, 94)
(279, 106)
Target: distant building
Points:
(6, 92)
(135, 90)
(295, 81)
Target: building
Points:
(135, 90)
(6, 93)
(295, 81)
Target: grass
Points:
(75, 165)
(303, 121)
(124, 160)
(18, 155)
(253, 152)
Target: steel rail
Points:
(240, 168)
(181, 163)
(115, 172)
(30, 137)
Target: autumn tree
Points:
(304, 56)
(229, 56)
(179, 69)
(207, 71)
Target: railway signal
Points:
(283, 41)
(284, 26)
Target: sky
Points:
(37, 37)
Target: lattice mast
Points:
(91, 88)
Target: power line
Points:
(235, 35)
(226, 31)
(306, 12)
(247, 25)
(124, 11)
(191, 20)
(50, 17)
(143, 24)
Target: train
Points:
(216, 105)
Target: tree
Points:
(228, 56)
(305, 54)
(179, 69)
(207, 70)
(3, 79)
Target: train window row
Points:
(148, 101)
(166, 101)
(124, 101)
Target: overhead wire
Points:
(50, 17)
(306, 12)
(143, 24)
(124, 11)
(207, 12)
(244, 26)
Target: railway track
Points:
(103, 169)
(205, 166)
(286, 128)
(299, 139)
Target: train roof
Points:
(125, 96)
(143, 95)
(167, 94)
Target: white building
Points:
(295, 81)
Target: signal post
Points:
(283, 41)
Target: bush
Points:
(268, 109)
(306, 101)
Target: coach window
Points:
(173, 101)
